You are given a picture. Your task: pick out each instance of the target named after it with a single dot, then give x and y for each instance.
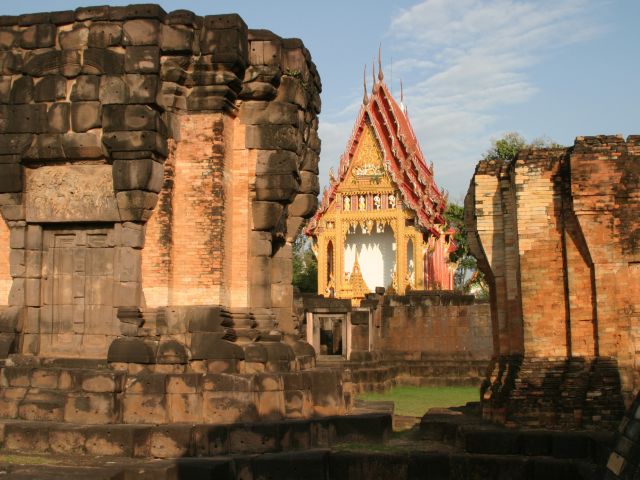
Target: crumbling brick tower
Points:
(557, 234)
(154, 170)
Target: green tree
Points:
(305, 265)
(467, 278)
(508, 146)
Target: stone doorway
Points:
(329, 334)
(77, 316)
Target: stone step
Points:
(474, 436)
(184, 440)
(324, 464)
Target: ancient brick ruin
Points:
(154, 169)
(557, 234)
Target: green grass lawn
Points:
(415, 401)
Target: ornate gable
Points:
(383, 148)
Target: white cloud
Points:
(461, 61)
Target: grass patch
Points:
(415, 401)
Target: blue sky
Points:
(472, 69)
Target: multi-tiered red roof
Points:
(403, 160)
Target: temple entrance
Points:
(376, 251)
(77, 314)
(329, 334)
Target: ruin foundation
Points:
(154, 170)
(557, 234)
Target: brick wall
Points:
(557, 234)
(454, 327)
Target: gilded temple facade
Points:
(381, 219)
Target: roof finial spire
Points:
(401, 92)
(380, 74)
(373, 72)
(365, 99)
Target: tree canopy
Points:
(305, 265)
(507, 147)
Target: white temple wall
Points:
(376, 256)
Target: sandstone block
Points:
(142, 59)
(104, 34)
(8, 39)
(142, 88)
(266, 215)
(276, 187)
(92, 13)
(185, 407)
(261, 244)
(276, 162)
(22, 90)
(99, 383)
(310, 161)
(75, 39)
(5, 89)
(141, 32)
(131, 117)
(58, 117)
(42, 35)
(112, 90)
(85, 115)
(142, 174)
(51, 89)
(269, 113)
(109, 441)
(89, 408)
(66, 442)
(10, 63)
(176, 39)
(229, 407)
(82, 146)
(132, 235)
(294, 227)
(100, 61)
(10, 319)
(26, 439)
(10, 178)
(136, 140)
(86, 87)
(14, 144)
(309, 183)
(260, 271)
(172, 352)
(23, 118)
(45, 406)
(210, 346)
(304, 205)
(292, 91)
(7, 344)
(46, 146)
(142, 10)
(172, 441)
(131, 350)
(255, 438)
(273, 137)
(144, 408)
(260, 91)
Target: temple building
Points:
(381, 219)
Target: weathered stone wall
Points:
(437, 325)
(189, 144)
(556, 233)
